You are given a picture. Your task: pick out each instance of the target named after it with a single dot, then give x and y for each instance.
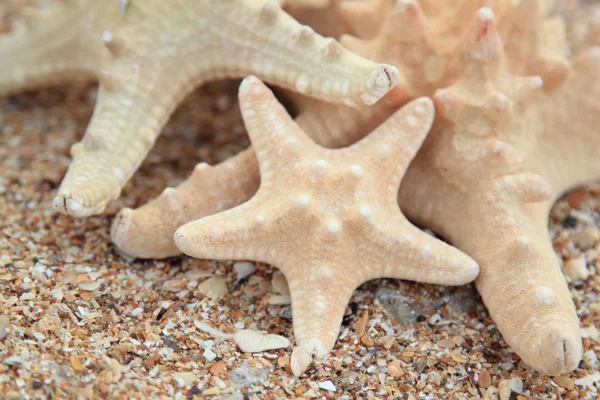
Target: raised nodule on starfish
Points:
(329, 219)
(149, 55)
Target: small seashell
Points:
(588, 380)
(175, 285)
(209, 354)
(589, 357)
(48, 323)
(280, 300)
(280, 284)
(576, 269)
(214, 288)
(243, 270)
(90, 286)
(77, 364)
(564, 381)
(485, 380)
(445, 343)
(4, 326)
(394, 369)
(327, 385)
(504, 390)
(516, 385)
(196, 273)
(250, 341)
(186, 379)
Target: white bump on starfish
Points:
(333, 230)
(485, 14)
(356, 170)
(544, 294)
(302, 200)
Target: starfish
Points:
(518, 135)
(148, 55)
(500, 139)
(328, 219)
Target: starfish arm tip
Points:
(183, 240)
(133, 241)
(70, 204)
(560, 350)
(380, 81)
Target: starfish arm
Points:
(278, 139)
(54, 45)
(147, 232)
(142, 86)
(293, 56)
(319, 300)
(523, 287)
(396, 141)
(402, 251)
(235, 234)
(134, 102)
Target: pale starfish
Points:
(329, 219)
(496, 158)
(151, 54)
(561, 115)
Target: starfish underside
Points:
(148, 55)
(487, 175)
(328, 219)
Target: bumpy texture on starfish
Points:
(514, 128)
(329, 219)
(149, 54)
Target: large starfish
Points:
(501, 139)
(328, 219)
(149, 54)
(529, 137)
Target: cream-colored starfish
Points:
(329, 219)
(502, 140)
(151, 54)
(530, 136)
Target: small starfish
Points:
(329, 219)
(529, 137)
(150, 54)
